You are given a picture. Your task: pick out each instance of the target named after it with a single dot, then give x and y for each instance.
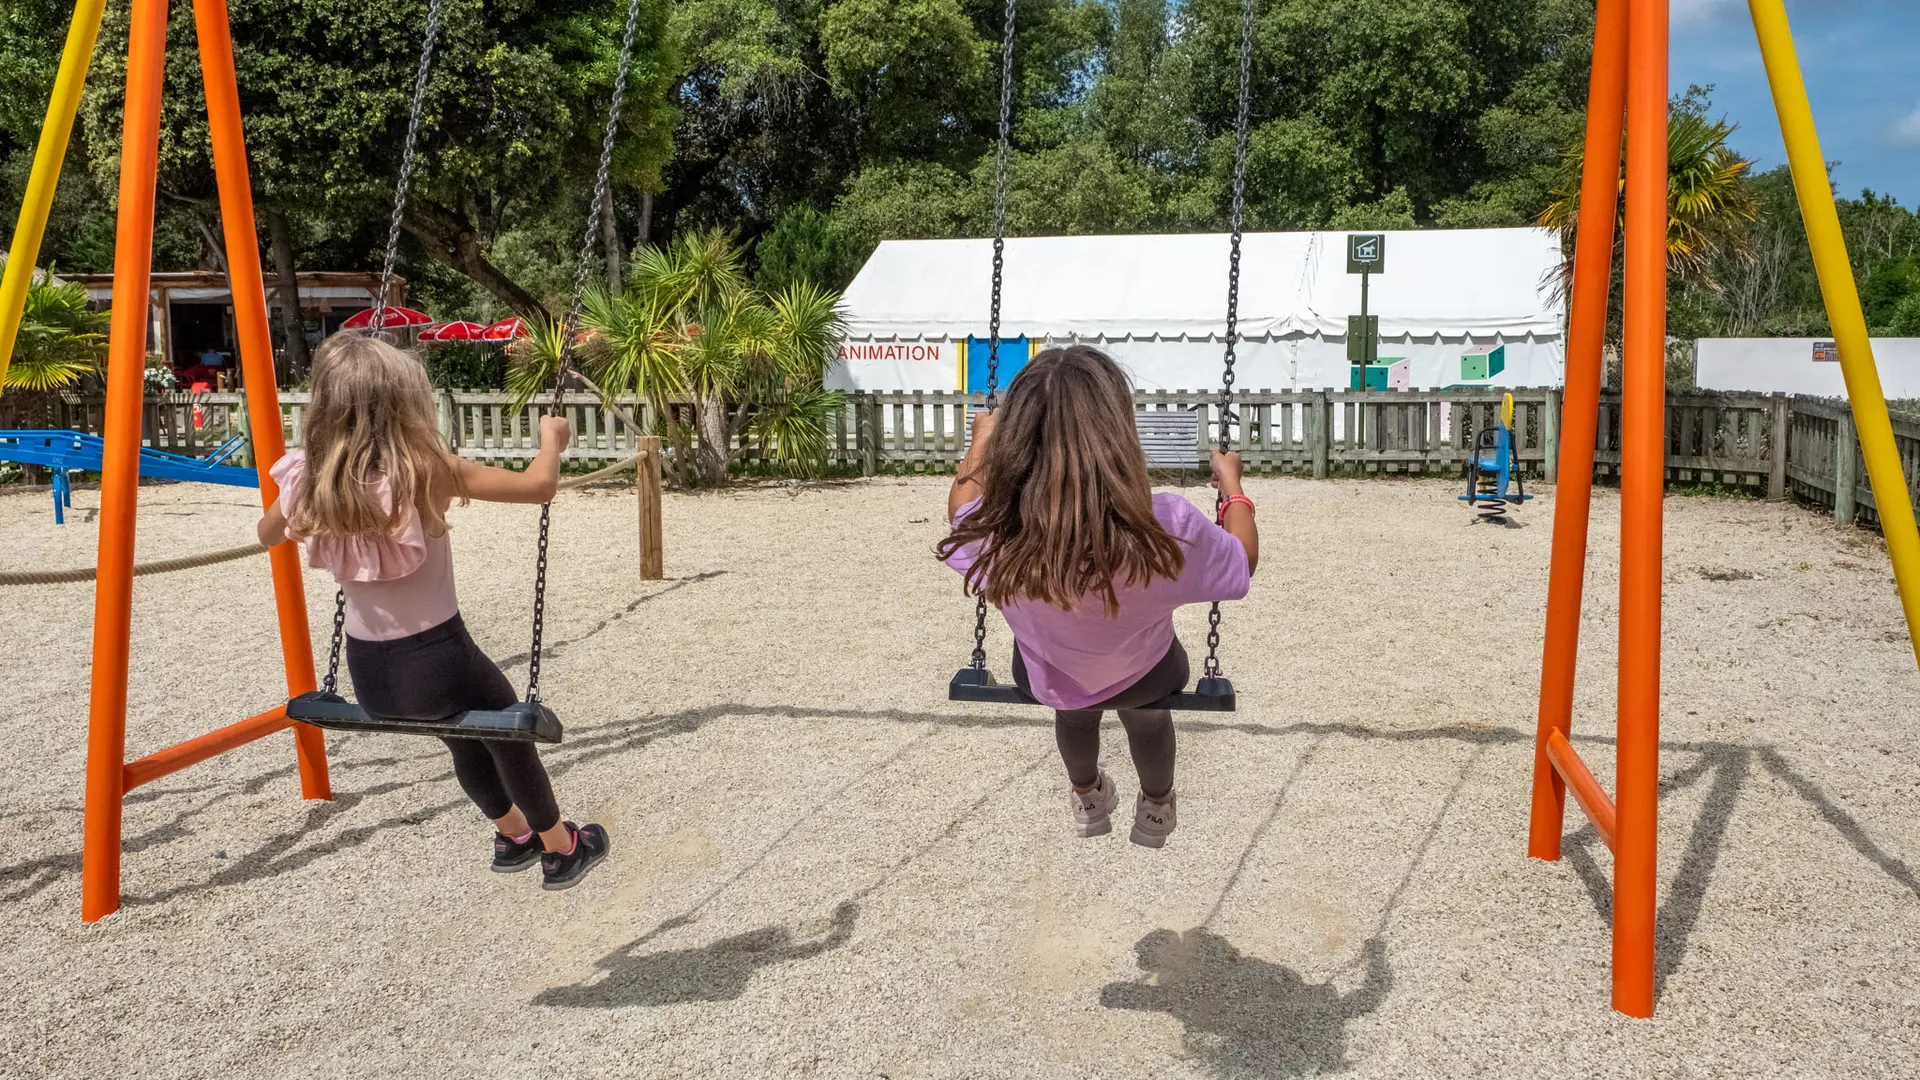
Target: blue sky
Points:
(1861, 59)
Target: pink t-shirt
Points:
(396, 585)
(1080, 657)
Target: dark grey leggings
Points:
(1149, 731)
(439, 672)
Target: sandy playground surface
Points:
(822, 868)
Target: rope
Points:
(159, 566)
(620, 466)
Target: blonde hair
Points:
(371, 418)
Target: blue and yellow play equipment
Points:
(1493, 476)
(67, 452)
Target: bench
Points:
(1169, 436)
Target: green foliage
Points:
(465, 365)
(1395, 211)
(691, 323)
(1709, 207)
(805, 246)
(910, 70)
(509, 134)
(1123, 113)
(906, 201)
(1906, 318)
(60, 340)
(810, 131)
(1073, 189)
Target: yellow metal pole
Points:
(45, 177)
(1849, 323)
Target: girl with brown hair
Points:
(368, 497)
(1055, 523)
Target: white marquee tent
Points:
(1157, 304)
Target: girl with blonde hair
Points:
(368, 497)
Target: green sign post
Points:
(1366, 255)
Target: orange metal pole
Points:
(1580, 414)
(1575, 774)
(1642, 485)
(256, 363)
(120, 460)
(194, 751)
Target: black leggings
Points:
(1149, 731)
(439, 672)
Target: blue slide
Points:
(71, 451)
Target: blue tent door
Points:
(1013, 357)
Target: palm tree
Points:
(1708, 204)
(61, 340)
(690, 323)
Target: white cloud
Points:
(1906, 130)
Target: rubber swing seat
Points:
(523, 721)
(977, 685)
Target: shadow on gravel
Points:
(321, 834)
(1246, 1017)
(1730, 767)
(552, 649)
(716, 972)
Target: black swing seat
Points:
(520, 722)
(976, 684)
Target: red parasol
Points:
(458, 330)
(392, 318)
(505, 330)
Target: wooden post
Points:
(244, 456)
(1550, 436)
(1777, 453)
(1203, 445)
(1845, 477)
(646, 482)
(1319, 430)
(866, 435)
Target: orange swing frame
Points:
(109, 775)
(1627, 95)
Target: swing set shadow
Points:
(1729, 764)
(1242, 1015)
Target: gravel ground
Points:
(822, 868)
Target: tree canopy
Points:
(808, 130)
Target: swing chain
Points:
(383, 297)
(1000, 156)
(602, 203)
(999, 266)
(539, 607)
(602, 191)
(407, 158)
(1237, 221)
(332, 685)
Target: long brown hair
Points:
(371, 417)
(1066, 509)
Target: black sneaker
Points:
(564, 871)
(511, 858)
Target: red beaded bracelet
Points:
(1229, 501)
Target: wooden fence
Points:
(1774, 445)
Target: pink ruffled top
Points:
(396, 585)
